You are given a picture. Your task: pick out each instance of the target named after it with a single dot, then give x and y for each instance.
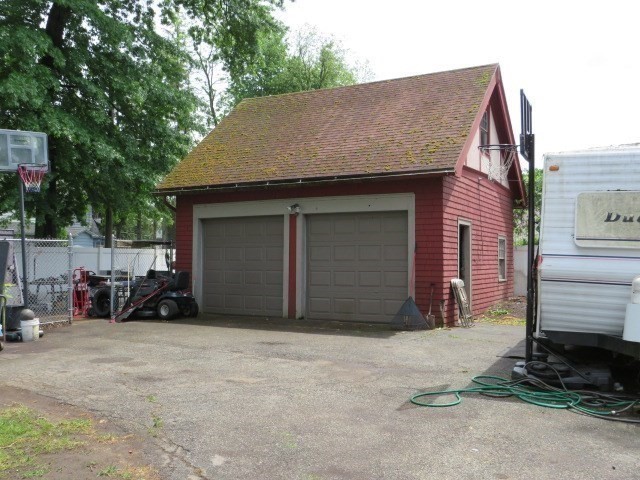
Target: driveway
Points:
(259, 399)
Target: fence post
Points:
(70, 277)
(113, 278)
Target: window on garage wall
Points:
(502, 258)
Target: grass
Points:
(24, 436)
(503, 314)
(29, 441)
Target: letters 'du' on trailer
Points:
(341, 203)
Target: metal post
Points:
(23, 241)
(70, 277)
(113, 278)
(531, 250)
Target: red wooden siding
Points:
(489, 208)
(439, 202)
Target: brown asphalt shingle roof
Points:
(414, 124)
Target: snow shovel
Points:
(430, 318)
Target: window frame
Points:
(502, 261)
(485, 127)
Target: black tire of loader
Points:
(100, 302)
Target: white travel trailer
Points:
(590, 249)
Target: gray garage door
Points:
(243, 266)
(357, 266)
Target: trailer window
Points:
(502, 258)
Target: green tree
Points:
(521, 215)
(311, 61)
(107, 80)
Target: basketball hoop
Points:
(31, 175)
(500, 158)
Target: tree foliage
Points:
(111, 83)
(308, 62)
(110, 87)
(521, 215)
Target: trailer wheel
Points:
(193, 310)
(167, 309)
(101, 302)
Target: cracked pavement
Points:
(219, 398)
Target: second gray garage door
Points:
(242, 272)
(356, 266)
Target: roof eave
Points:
(301, 181)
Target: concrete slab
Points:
(220, 398)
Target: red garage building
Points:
(341, 203)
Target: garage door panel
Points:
(273, 254)
(394, 224)
(215, 278)
(344, 253)
(321, 305)
(273, 303)
(273, 279)
(343, 279)
(213, 302)
(345, 306)
(233, 301)
(320, 227)
(368, 306)
(243, 265)
(233, 254)
(369, 252)
(233, 229)
(356, 273)
(344, 226)
(395, 279)
(253, 278)
(233, 278)
(253, 254)
(320, 253)
(395, 252)
(369, 225)
(252, 302)
(370, 279)
(213, 254)
(320, 279)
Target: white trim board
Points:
(308, 205)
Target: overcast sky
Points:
(578, 62)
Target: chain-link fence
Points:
(48, 265)
(130, 263)
(63, 279)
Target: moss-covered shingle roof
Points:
(407, 125)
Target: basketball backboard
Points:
(18, 147)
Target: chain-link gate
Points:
(129, 263)
(48, 279)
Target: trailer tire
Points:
(100, 302)
(193, 310)
(167, 309)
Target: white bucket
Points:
(30, 329)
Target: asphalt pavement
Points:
(220, 398)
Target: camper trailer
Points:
(589, 252)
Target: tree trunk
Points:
(57, 20)
(139, 227)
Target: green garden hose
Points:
(538, 393)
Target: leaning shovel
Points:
(430, 318)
